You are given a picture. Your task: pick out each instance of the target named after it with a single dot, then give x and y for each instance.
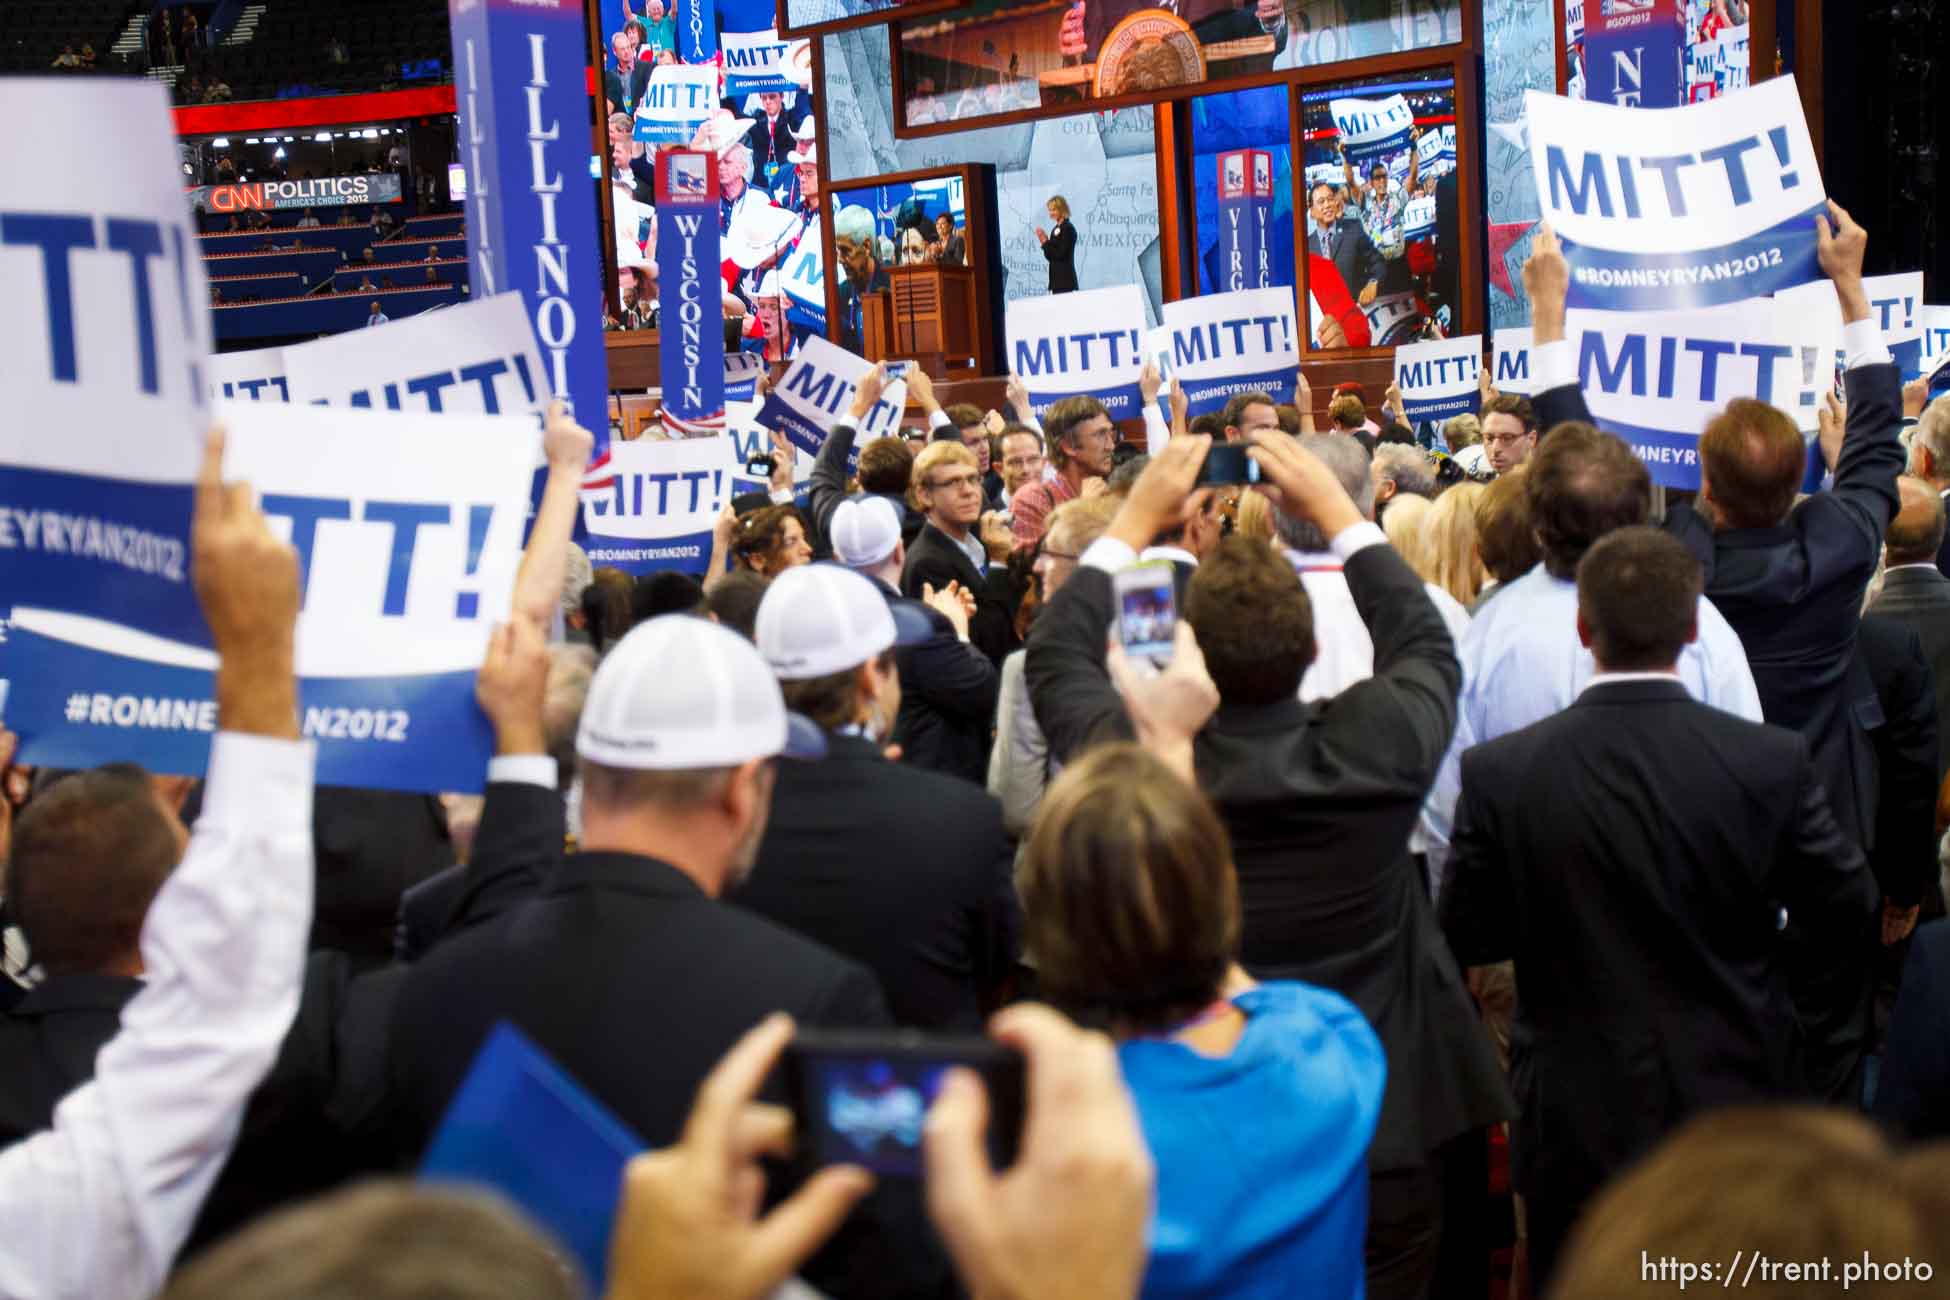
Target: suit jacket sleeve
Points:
(953, 676)
(1555, 406)
(1478, 901)
(1905, 859)
(1914, 1093)
(927, 565)
(1069, 687)
(993, 629)
(1820, 875)
(996, 915)
(522, 834)
(1415, 667)
(1871, 456)
(826, 485)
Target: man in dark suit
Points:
(959, 544)
(1789, 579)
(948, 687)
(1915, 591)
(1633, 854)
(771, 137)
(1913, 1096)
(626, 969)
(1342, 240)
(1318, 799)
(904, 870)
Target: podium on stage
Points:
(929, 314)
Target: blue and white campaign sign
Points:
(1327, 173)
(1227, 343)
(1659, 209)
(1372, 128)
(675, 103)
(754, 56)
(521, 80)
(741, 372)
(817, 388)
(107, 341)
(478, 358)
(1436, 151)
(1934, 324)
(255, 376)
(1510, 370)
(658, 509)
(1897, 301)
(1656, 378)
(1087, 344)
(1439, 378)
(408, 531)
(802, 273)
(1418, 217)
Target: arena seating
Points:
(388, 44)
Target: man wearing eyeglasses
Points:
(1081, 439)
(961, 544)
(1509, 431)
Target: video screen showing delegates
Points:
(910, 223)
(732, 87)
(1382, 226)
(1004, 56)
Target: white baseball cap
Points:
(681, 693)
(818, 619)
(865, 531)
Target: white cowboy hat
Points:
(760, 231)
(721, 131)
(806, 128)
(769, 286)
(806, 153)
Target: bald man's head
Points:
(1916, 533)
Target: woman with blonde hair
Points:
(1449, 557)
(1258, 1101)
(1255, 518)
(1402, 521)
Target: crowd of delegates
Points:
(1257, 915)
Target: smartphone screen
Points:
(897, 369)
(1227, 463)
(1147, 611)
(863, 1099)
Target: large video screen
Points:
(906, 223)
(1381, 211)
(1006, 56)
(763, 131)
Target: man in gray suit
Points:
(1914, 590)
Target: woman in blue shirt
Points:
(1258, 1100)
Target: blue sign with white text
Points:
(519, 79)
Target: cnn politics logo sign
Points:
(319, 192)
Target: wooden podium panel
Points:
(928, 314)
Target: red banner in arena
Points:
(325, 110)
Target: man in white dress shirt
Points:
(97, 1206)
